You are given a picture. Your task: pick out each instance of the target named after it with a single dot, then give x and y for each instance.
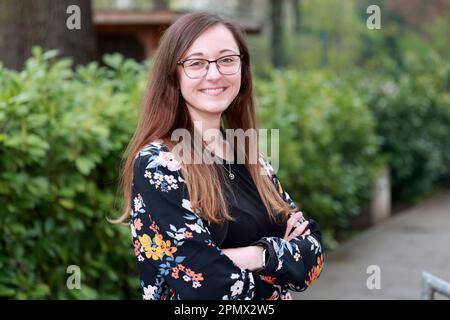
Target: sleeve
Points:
(296, 263)
(175, 241)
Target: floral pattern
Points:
(175, 253)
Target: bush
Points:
(63, 134)
(328, 147)
(412, 107)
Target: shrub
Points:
(62, 136)
(328, 147)
(412, 108)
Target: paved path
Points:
(412, 241)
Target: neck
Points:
(209, 128)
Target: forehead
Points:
(213, 40)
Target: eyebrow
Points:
(201, 54)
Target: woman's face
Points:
(211, 94)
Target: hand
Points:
(299, 223)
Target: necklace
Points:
(230, 174)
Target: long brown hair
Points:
(164, 110)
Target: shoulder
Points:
(154, 163)
(157, 177)
(154, 148)
(156, 155)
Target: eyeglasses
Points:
(198, 68)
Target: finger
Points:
(297, 231)
(297, 224)
(300, 229)
(306, 233)
(290, 225)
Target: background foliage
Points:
(63, 134)
(329, 152)
(412, 108)
(347, 102)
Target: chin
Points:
(215, 108)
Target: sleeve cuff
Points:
(272, 260)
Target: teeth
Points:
(213, 90)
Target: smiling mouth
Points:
(214, 92)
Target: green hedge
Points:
(63, 132)
(328, 146)
(412, 108)
(62, 136)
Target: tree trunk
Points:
(277, 36)
(296, 7)
(25, 23)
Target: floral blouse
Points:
(175, 251)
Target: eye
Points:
(228, 60)
(195, 63)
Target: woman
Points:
(216, 230)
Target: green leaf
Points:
(66, 203)
(50, 54)
(114, 60)
(7, 292)
(84, 165)
(40, 291)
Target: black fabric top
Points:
(252, 221)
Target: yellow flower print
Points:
(154, 253)
(145, 240)
(164, 245)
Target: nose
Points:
(213, 72)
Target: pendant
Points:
(231, 176)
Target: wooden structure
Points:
(136, 34)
